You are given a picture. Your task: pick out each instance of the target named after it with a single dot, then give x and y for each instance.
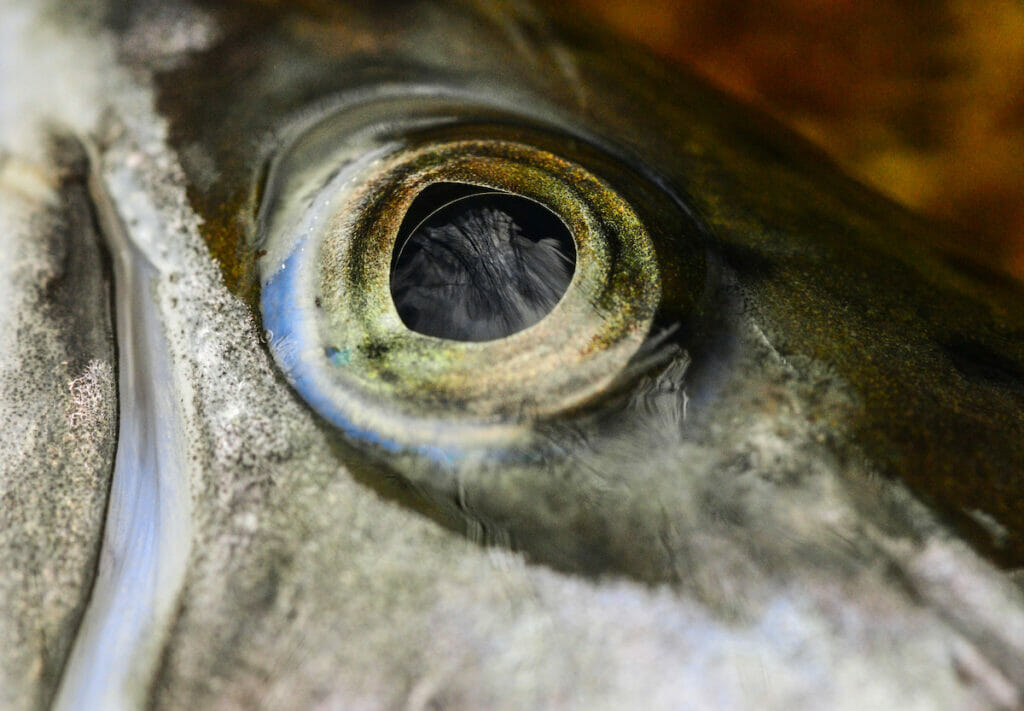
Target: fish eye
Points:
(439, 286)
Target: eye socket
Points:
(351, 209)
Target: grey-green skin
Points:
(818, 505)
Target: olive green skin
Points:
(852, 400)
(932, 344)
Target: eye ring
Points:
(339, 338)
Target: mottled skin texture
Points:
(58, 426)
(816, 501)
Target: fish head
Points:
(761, 447)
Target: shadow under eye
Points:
(480, 267)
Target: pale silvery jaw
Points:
(435, 355)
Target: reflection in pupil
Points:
(482, 267)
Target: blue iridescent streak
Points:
(285, 319)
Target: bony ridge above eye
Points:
(336, 331)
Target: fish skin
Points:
(59, 417)
(807, 529)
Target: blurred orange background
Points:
(923, 99)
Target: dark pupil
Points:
(480, 266)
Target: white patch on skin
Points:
(49, 77)
(88, 393)
(167, 32)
